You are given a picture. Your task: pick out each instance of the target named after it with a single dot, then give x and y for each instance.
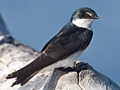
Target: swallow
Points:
(63, 49)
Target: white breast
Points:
(84, 23)
(68, 62)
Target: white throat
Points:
(84, 23)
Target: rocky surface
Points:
(86, 78)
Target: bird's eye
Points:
(81, 14)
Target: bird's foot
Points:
(68, 69)
(81, 66)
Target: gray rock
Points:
(3, 27)
(86, 78)
(62, 80)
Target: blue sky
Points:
(34, 22)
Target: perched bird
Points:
(63, 49)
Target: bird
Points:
(63, 49)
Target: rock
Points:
(2, 65)
(12, 58)
(62, 80)
(3, 27)
(84, 78)
(90, 79)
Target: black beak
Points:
(95, 17)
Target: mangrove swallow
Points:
(63, 49)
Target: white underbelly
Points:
(68, 62)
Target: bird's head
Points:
(84, 17)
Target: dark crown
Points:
(85, 13)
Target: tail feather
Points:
(26, 73)
(14, 74)
(27, 70)
(24, 79)
(28, 78)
